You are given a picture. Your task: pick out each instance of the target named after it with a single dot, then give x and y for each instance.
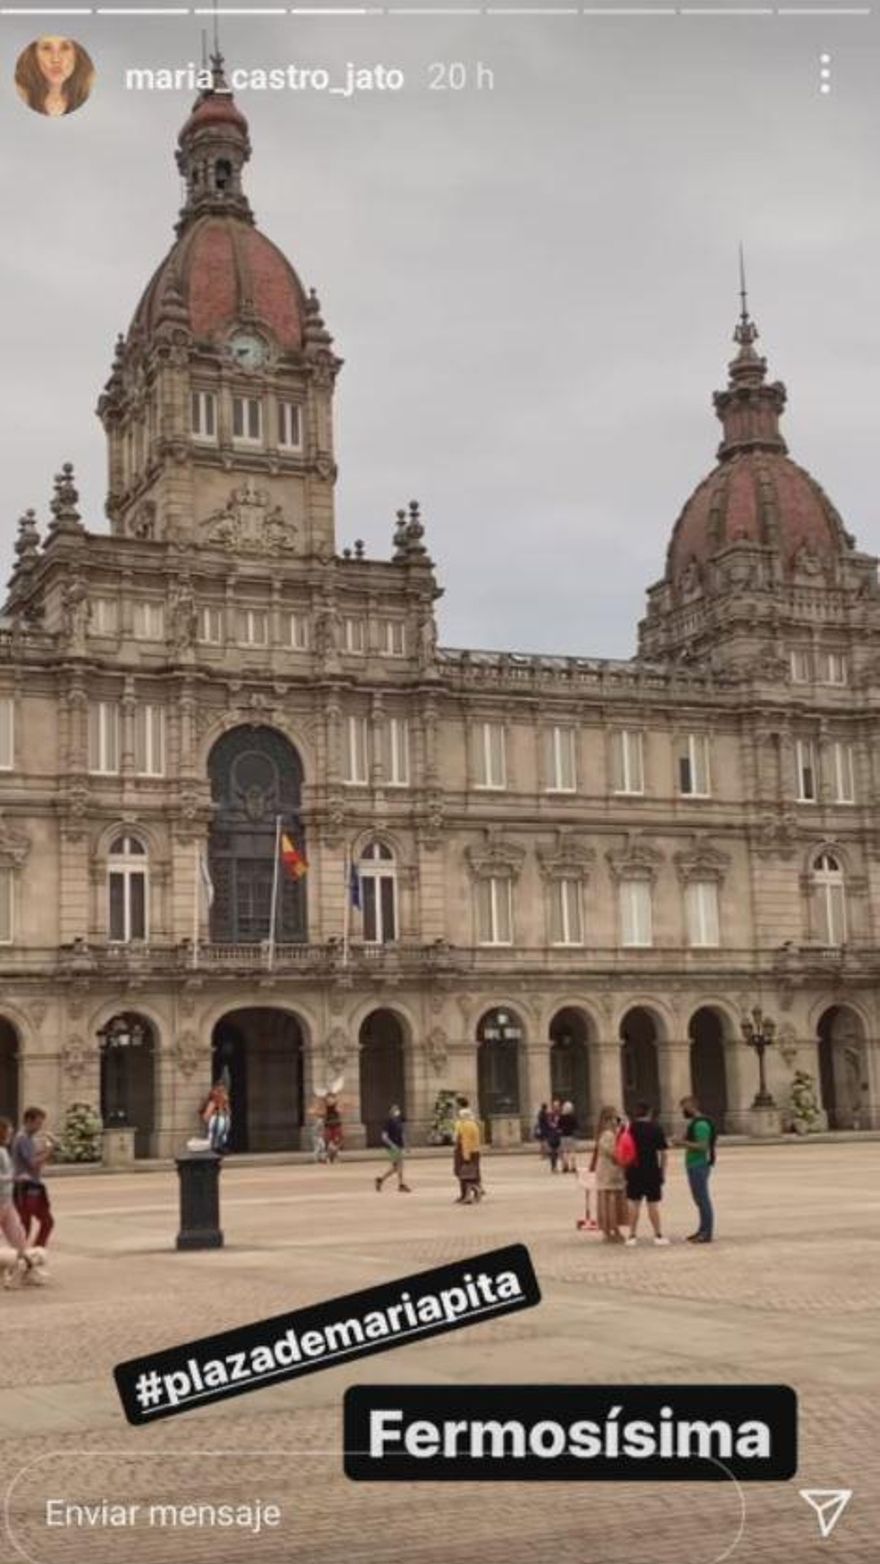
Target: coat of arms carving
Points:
(249, 524)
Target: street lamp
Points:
(759, 1031)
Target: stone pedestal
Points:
(505, 1130)
(117, 1146)
(764, 1121)
(199, 1175)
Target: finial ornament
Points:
(65, 516)
(746, 331)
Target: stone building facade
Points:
(574, 875)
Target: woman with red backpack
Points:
(611, 1205)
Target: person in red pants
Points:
(30, 1152)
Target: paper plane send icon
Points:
(829, 1504)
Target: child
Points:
(31, 1150)
(10, 1226)
(588, 1181)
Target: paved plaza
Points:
(788, 1294)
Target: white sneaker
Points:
(663, 1242)
(630, 1242)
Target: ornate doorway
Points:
(256, 777)
(9, 1103)
(843, 1071)
(570, 1065)
(708, 1064)
(640, 1072)
(128, 1072)
(382, 1071)
(258, 1054)
(499, 1038)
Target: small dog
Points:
(27, 1270)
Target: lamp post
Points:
(759, 1031)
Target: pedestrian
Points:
(10, 1222)
(217, 1117)
(394, 1141)
(332, 1126)
(466, 1156)
(567, 1133)
(542, 1120)
(31, 1150)
(645, 1175)
(699, 1160)
(611, 1202)
(554, 1134)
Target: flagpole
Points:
(346, 904)
(275, 891)
(196, 905)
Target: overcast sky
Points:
(533, 287)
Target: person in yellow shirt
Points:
(466, 1157)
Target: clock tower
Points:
(218, 410)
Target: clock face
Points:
(248, 350)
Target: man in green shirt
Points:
(699, 1160)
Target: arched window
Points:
(831, 895)
(127, 869)
(256, 776)
(378, 894)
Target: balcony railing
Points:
(323, 960)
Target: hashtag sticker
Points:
(472, 1291)
(148, 1389)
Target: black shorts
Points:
(643, 1184)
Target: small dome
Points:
(756, 494)
(757, 497)
(212, 112)
(221, 270)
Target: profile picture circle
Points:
(54, 75)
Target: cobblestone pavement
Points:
(788, 1294)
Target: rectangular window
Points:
(490, 756)
(149, 622)
(103, 738)
(703, 923)
(844, 774)
(253, 626)
(396, 757)
(801, 666)
(149, 741)
(560, 760)
(392, 641)
(211, 626)
(289, 426)
(832, 668)
(693, 766)
(379, 920)
(355, 639)
(6, 893)
(494, 912)
(636, 924)
(247, 420)
(356, 750)
(203, 415)
(104, 616)
(128, 906)
(566, 926)
(295, 629)
(7, 733)
(627, 767)
(806, 772)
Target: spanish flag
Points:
(292, 858)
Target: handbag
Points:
(626, 1152)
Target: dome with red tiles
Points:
(221, 270)
(756, 493)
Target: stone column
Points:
(535, 1086)
(674, 1063)
(606, 1085)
